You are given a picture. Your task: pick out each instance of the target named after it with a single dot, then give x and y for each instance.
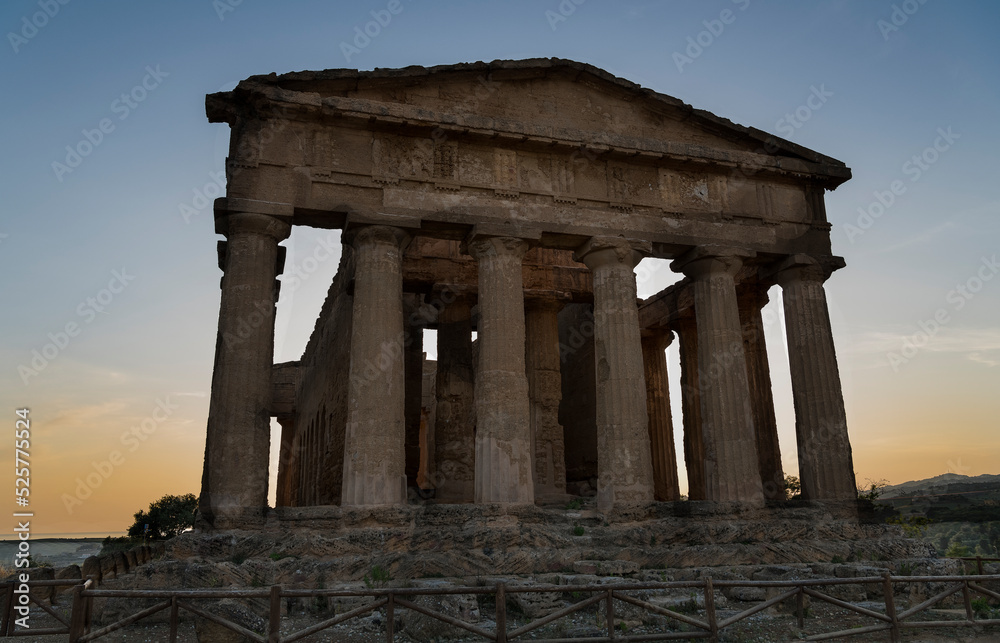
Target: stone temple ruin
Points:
(512, 200)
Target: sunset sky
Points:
(107, 251)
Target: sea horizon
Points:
(66, 536)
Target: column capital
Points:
(804, 267)
(753, 294)
(658, 338)
(545, 303)
(232, 223)
(480, 246)
(706, 260)
(602, 251)
(360, 234)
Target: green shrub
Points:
(377, 577)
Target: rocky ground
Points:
(565, 548)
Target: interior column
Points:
(731, 472)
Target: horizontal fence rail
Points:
(707, 625)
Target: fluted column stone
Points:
(234, 481)
(731, 472)
(826, 467)
(454, 439)
(374, 440)
(545, 393)
(661, 429)
(503, 432)
(752, 299)
(625, 472)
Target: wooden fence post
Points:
(609, 614)
(6, 627)
(800, 610)
(78, 617)
(713, 623)
(274, 616)
(967, 599)
(501, 609)
(890, 607)
(390, 617)
(174, 618)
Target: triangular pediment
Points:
(550, 94)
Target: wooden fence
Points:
(979, 560)
(604, 597)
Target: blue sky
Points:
(887, 92)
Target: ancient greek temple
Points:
(505, 205)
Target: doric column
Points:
(752, 298)
(731, 472)
(374, 440)
(826, 468)
(694, 448)
(503, 434)
(625, 472)
(234, 482)
(454, 439)
(545, 393)
(661, 428)
(287, 492)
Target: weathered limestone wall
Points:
(322, 400)
(578, 408)
(455, 416)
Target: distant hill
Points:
(946, 483)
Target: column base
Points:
(231, 518)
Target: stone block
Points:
(92, 569)
(606, 567)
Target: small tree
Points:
(874, 490)
(167, 517)
(793, 487)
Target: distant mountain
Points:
(944, 483)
